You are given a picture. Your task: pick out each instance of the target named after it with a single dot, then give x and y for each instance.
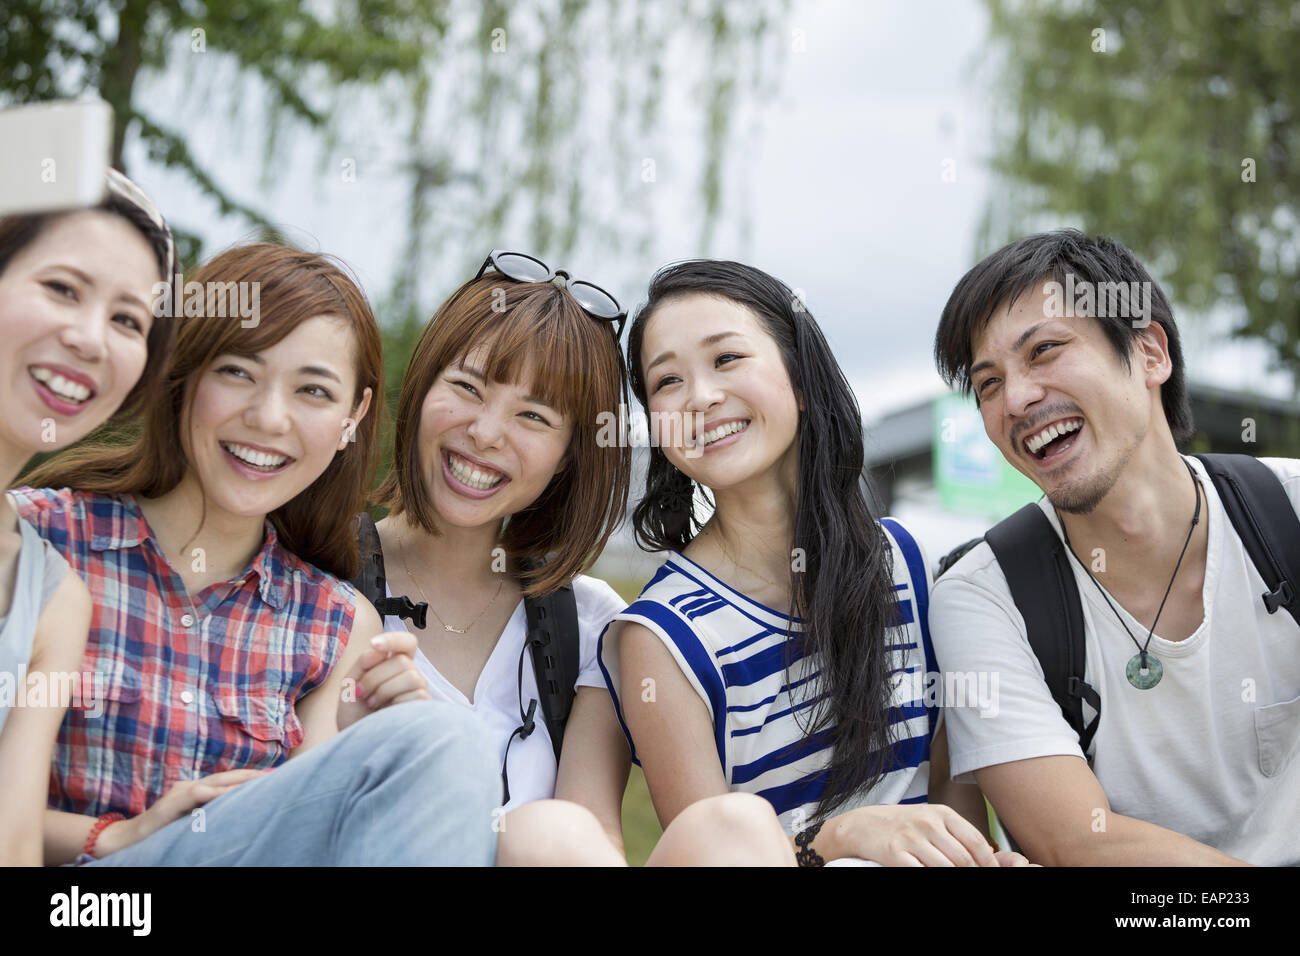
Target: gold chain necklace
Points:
(762, 577)
(445, 626)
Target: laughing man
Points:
(1196, 755)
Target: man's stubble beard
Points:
(1082, 496)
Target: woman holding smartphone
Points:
(81, 344)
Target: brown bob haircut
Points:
(294, 286)
(523, 327)
(19, 232)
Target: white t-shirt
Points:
(532, 766)
(1212, 751)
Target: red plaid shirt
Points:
(191, 685)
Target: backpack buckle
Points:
(1281, 596)
(401, 607)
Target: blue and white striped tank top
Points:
(732, 650)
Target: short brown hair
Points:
(522, 324)
(294, 286)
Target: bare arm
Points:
(669, 723)
(594, 761)
(1059, 814)
(319, 710)
(29, 735)
(66, 833)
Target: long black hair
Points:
(845, 592)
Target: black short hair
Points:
(1017, 267)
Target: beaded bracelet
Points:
(807, 856)
(100, 826)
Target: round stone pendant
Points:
(1144, 678)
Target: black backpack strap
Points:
(1037, 567)
(1266, 522)
(370, 579)
(553, 640)
(955, 555)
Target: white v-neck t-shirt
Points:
(1212, 751)
(532, 766)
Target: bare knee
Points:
(554, 833)
(734, 829)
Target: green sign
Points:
(970, 474)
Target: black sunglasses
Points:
(593, 300)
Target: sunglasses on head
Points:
(593, 300)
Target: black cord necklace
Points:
(1144, 669)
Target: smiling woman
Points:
(561, 368)
(501, 490)
(80, 344)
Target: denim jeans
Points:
(414, 784)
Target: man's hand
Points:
(385, 674)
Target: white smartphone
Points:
(54, 155)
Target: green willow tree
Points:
(490, 112)
(1172, 126)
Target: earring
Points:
(349, 432)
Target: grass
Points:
(641, 830)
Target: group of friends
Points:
(197, 565)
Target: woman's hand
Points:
(384, 675)
(177, 802)
(929, 834)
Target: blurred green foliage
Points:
(486, 111)
(1170, 126)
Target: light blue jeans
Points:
(414, 784)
